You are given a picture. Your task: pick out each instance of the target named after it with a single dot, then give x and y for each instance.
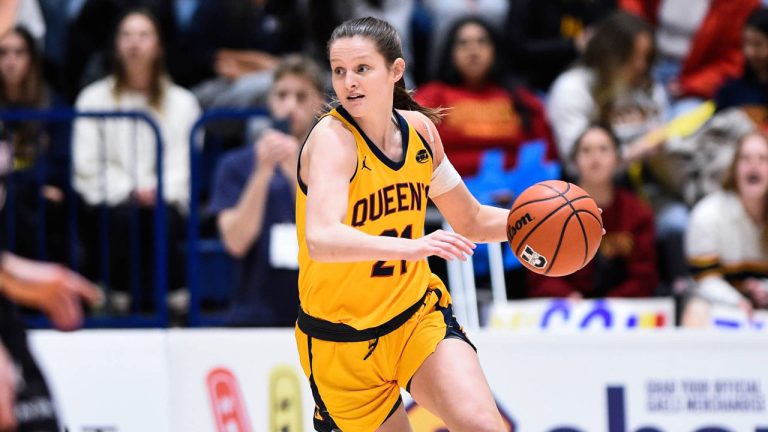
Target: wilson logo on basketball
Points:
(422, 156)
(512, 229)
(533, 258)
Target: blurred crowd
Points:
(657, 108)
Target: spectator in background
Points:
(625, 264)
(545, 37)
(699, 44)
(485, 110)
(750, 90)
(40, 151)
(114, 160)
(612, 84)
(444, 13)
(727, 239)
(253, 200)
(230, 48)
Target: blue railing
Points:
(160, 316)
(196, 247)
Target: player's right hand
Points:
(445, 244)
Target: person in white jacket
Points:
(114, 160)
(727, 240)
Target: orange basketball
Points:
(554, 228)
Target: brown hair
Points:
(730, 183)
(389, 46)
(608, 51)
(296, 64)
(159, 81)
(33, 91)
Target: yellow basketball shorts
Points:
(356, 384)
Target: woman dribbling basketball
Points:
(373, 317)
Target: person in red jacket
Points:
(484, 112)
(625, 264)
(702, 37)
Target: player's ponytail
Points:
(388, 44)
(403, 99)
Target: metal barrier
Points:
(196, 246)
(160, 316)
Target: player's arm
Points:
(52, 288)
(479, 223)
(328, 162)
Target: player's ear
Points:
(398, 67)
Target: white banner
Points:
(250, 380)
(107, 380)
(578, 315)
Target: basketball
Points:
(554, 228)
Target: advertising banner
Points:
(250, 380)
(564, 315)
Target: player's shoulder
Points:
(419, 121)
(331, 132)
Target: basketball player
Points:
(373, 317)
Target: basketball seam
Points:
(586, 240)
(514, 209)
(559, 243)
(565, 225)
(517, 251)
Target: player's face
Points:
(138, 43)
(361, 76)
(14, 59)
(755, 45)
(295, 98)
(473, 52)
(752, 168)
(638, 64)
(596, 158)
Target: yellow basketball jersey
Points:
(386, 198)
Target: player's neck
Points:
(602, 193)
(381, 129)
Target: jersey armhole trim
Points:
(303, 186)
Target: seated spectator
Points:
(699, 44)
(545, 37)
(445, 13)
(625, 264)
(750, 90)
(40, 152)
(230, 49)
(483, 110)
(727, 240)
(114, 160)
(253, 200)
(611, 84)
